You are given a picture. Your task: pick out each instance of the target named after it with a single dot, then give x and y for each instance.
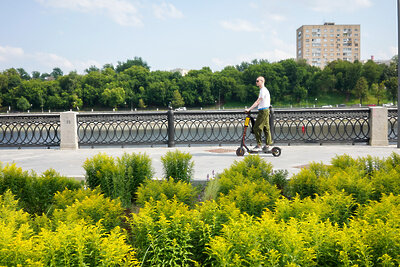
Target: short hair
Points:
(262, 78)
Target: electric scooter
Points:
(275, 151)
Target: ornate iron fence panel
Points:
(29, 130)
(197, 127)
(392, 125)
(122, 128)
(193, 127)
(322, 125)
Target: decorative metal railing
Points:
(192, 127)
(321, 125)
(221, 127)
(30, 130)
(392, 125)
(122, 128)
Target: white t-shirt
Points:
(265, 98)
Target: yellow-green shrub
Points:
(10, 213)
(307, 182)
(337, 208)
(74, 243)
(134, 170)
(35, 193)
(253, 197)
(252, 168)
(178, 165)
(163, 231)
(92, 209)
(216, 214)
(120, 178)
(260, 242)
(166, 189)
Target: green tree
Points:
(35, 75)
(156, 93)
(347, 74)
(23, 104)
(372, 72)
(113, 97)
(177, 100)
(24, 75)
(361, 89)
(378, 91)
(141, 104)
(91, 69)
(57, 72)
(392, 88)
(137, 61)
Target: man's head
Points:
(260, 81)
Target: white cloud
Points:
(121, 11)
(50, 61)
(270, 55)
(41, 61)
(385, 54)
(8, 52)
(277, 17)
(166, 10)
(334, 6)
(273, 55)
(240, 25)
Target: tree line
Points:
(131, 84)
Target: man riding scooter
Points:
(262, 121)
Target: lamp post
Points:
(398, 73)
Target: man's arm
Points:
(255, 104)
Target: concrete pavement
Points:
(208, 160)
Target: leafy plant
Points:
(178, 165)
(153, 190)
(35, 193)
(92, 209)
(120, 178)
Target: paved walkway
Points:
(207, 159)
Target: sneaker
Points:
(257, 149)
(265, 148)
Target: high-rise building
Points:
(321, 44)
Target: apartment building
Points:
(321, 44)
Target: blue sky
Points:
(39, 35)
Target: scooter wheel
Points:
(276, 151)
(240, 151)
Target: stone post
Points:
(69, 130)
(378, 135)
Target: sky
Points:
(40, 35)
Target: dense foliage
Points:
(118, 178)
(343, 214)
(131, 84)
